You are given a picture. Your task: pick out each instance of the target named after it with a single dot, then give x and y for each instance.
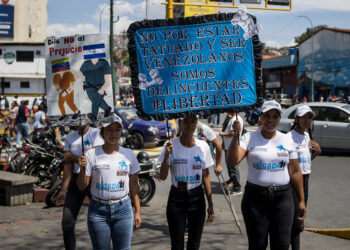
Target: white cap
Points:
(116, 119)
(271, 104)
(303, 110)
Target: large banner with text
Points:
(78, 80)
(194, 65)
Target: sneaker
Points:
(235, 189)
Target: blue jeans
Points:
(110, 221)
(22, 128)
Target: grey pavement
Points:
(33, 226)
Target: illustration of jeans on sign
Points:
(64, 84)
(156, 79)
(98, 78)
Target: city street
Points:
(35, 227)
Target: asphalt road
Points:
(34, 227)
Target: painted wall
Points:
(331, 61)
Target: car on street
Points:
(145, 133)
(283, 99)
(331, 126)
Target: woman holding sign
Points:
(188, 159)
(112, 171)
(267, 204)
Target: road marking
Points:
(343, 233)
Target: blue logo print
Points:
(281, 148)
(198, 159)
(87, 144)
(123, 165)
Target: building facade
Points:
(280, 74)
(328, 60)
(22, 58)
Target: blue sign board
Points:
(205, 66)
(6, 20)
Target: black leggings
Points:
(72, 205)
(268, 212)
(181, 205)
(298, 225)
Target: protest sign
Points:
(78, 80)
(196, 65)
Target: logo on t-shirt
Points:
(284, 151)
(270, 166)
(123, 169)
(110, 186)
(197, 162)
(194, 178)
(87, 144)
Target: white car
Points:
(331, 126)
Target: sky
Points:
(279, 28)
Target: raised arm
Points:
(164, 168)
(235, 153)
(83, 181)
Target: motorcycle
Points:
(149, 171)
(252, 116)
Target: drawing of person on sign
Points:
(98, 78)
(64, 80)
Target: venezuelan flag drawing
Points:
(94, 51)
(60, 65)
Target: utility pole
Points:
(111, 41)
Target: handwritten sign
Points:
(78, 80)
(192, 67)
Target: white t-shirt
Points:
(186, 164)
(110, 173)
(37, 116)
(203, 129)
(303, 150)
(228, 139)
(268, 159)
(73, 143)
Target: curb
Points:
(343, 233)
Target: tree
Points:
(309, 32)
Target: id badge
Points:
(182, 185)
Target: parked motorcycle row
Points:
(42, 157)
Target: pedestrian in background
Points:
(13, 116)
(267, 204)
(70, 194)
(233, 183)
(112, 171)
(22, 122)
(39, 118)
(188, 159)
(307, 150)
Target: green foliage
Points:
(309, 32)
